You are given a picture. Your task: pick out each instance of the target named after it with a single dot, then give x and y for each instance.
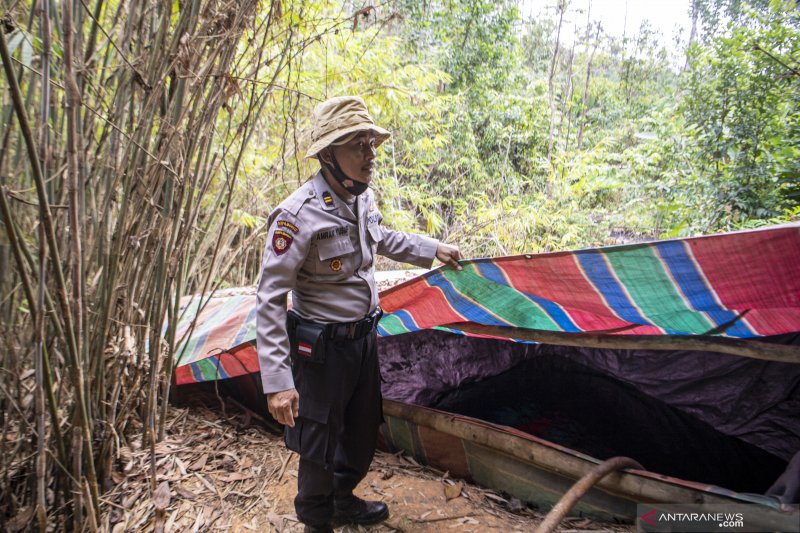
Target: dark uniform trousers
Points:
(336, 430)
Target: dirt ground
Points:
(223, 470)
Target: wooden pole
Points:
(744, 348)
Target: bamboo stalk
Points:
(77, 492)
(41, 474)
(131, 125)
(14, 241)
(49, 230)
(17, 246)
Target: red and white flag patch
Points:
(304, 349)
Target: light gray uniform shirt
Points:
(321, 251)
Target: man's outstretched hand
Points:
(284, 406)
(449, 255)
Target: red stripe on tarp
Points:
(557, 277)
(764, 278)
(238, 361)
(211, 307)
(241, 360)
(426, 304)
(223, 333)
(183, 375)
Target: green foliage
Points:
(639, 149)
(742, 108)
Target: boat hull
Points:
(540, 472)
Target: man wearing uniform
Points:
(319, 365)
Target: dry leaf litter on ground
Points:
(223, 471)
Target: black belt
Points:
(348, 330)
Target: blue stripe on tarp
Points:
(196, 372)
(595, 267)
(406, 319)
(199, 342)
(219, 369)
(493, 273)
(556, 313)
(466, 308)
(245, 329)
(694, 288)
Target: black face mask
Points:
(338, 174)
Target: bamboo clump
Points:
(123, 133)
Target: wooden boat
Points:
(540, 472)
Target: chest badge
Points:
(281, 242)
(336, 264)
(327, 198)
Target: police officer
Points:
(319, 365)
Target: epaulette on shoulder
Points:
(297, 199)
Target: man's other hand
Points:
(284, 406)
(449, 255)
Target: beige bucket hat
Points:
(340, 116)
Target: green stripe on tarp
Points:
(393, 325)
(500, 300)
(209, 368)
(642, 274)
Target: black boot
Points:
(353, 510)
(318, 529)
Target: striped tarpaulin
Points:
(738, 285)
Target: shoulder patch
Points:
(327, 198)
(281, 242)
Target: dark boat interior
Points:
(705, 417)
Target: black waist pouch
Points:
(308, 342)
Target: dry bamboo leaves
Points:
(452, 490)
(161, 499)
(215, 478)
(21, 520)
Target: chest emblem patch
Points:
(281, 242)
(336, 264)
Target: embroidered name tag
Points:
(333, 232)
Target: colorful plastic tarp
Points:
(738, 285)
